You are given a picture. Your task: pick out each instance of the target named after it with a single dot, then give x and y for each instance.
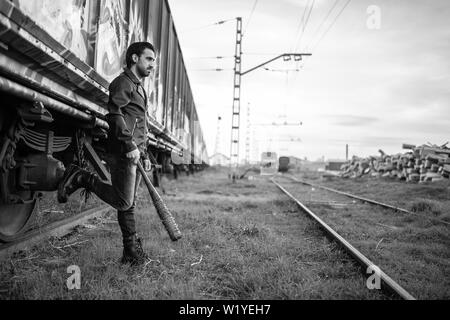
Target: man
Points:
(126, 140)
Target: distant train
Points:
(57, 59)
(269, 165)
(283, 164)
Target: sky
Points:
(378, 77)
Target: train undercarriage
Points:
(36, 147)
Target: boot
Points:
(133, 252)
(74, 179)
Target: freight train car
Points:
(283, 164)
(57, 59)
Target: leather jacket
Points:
(127, 114)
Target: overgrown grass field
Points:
(240, 241)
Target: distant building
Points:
(219, 159)
(298, 164)
(334, 164)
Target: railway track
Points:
(56, 229)
(387, 283)
(370, 201)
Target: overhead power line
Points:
(300, 24)
(216, 57)
(258, 54)
(304, 26)
(250, 17)
(331, 25)
(329, 28)
(283, 70)
(210, 25)
(216, 69)
(323, 22)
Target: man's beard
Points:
(144, 73)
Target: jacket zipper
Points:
(134, 127)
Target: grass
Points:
(49, 210)
(240, 241)
(432, 198)
(410, 248)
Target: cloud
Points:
(349, 120)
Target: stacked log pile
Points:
(422, 164)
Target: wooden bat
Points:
(163, 213)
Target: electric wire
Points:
(250, 17)
(329, 28)
(304, 26)
(282, 70)
(322, 23)
(213, 69)
(302, 33)
(331, 25)
(260, 54)
(215, 57)
(297, 33)
(210, 25)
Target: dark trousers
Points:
(121, 194)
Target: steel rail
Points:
(58, 228)
(367, 200)
(388, 282)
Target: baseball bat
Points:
(163, 213)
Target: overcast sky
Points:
(373, 88)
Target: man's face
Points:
(145, 63)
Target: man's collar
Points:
(132, 76)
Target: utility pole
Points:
(216, 149)
(235, 120)
(247, 137)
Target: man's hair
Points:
(138, 49)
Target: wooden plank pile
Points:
(422, 164)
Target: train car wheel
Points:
(15, 219)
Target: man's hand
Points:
(135, 155)
(147, 165)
